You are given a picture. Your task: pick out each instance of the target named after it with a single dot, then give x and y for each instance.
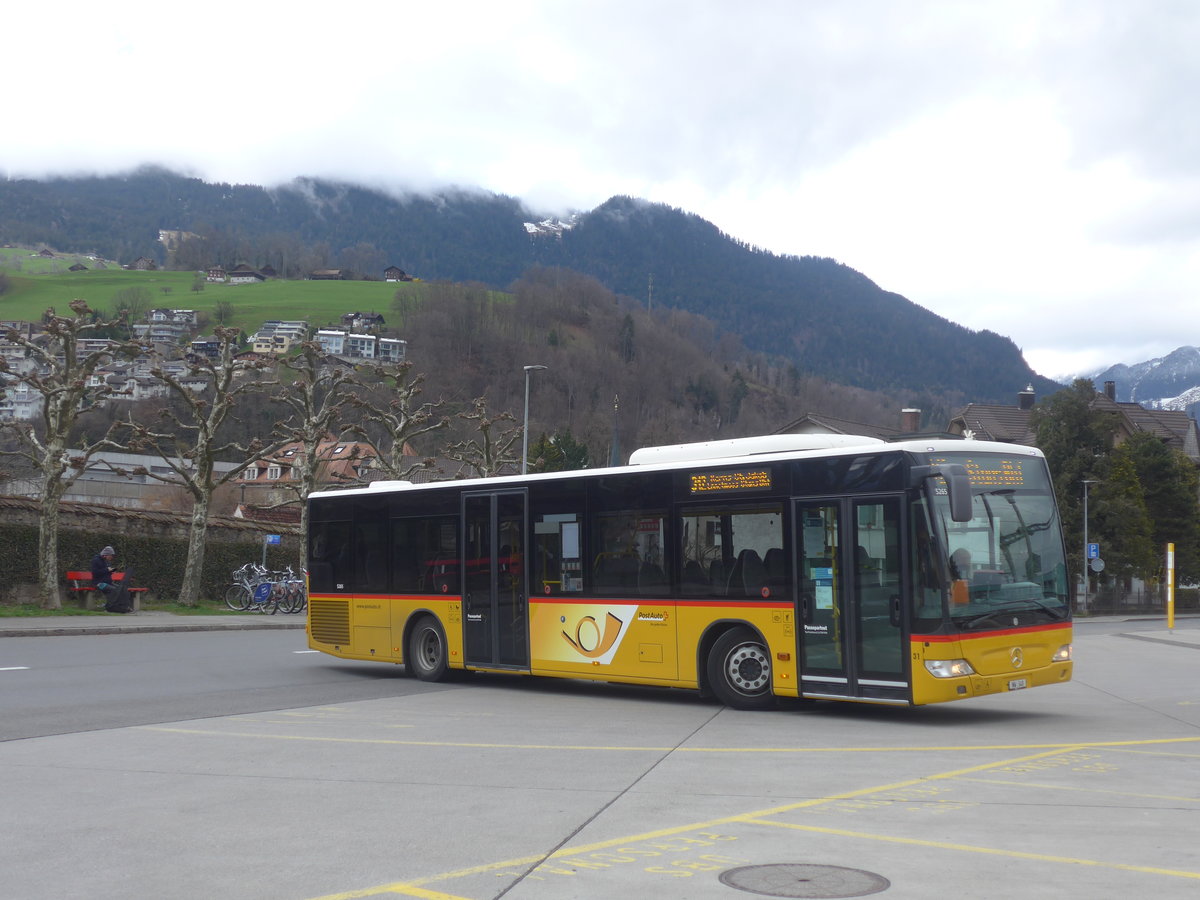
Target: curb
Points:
(60, 631)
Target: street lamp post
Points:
(525, 426)
(1086, 560)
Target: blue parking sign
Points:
(1093, 551)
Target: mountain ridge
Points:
(825, 317)
(1164, 382)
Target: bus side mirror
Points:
(958, 487)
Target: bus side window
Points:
(329, 556)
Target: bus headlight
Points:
(1062, 654)
(948, 668)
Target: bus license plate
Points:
(1017, 683)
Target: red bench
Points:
(82, 582)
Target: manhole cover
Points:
(803, 880)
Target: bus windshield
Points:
(1006, 565)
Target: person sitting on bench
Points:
(102, 573)
(102, 580)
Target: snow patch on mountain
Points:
(1167, 382)
(552, 227)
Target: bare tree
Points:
(61, 375)
(317, 396)
(189, 441)
(389, 424)
(132, 303)
(489, 454)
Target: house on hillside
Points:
(1012, 424)
(78, 267)
(908, 426)
(208, 346)
(276, 337)
(813, 423)
(246, 275)
(215, 274)
(395, 273)
(355, 345)
(18, 401)
(359, 321)
(331, 341)
(391, 350)
(143, 264)
(329, 275)
(274, 479)
(166, 326)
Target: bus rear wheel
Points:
(427, 655)
(739, 670)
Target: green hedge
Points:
(157, 562)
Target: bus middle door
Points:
(849, 588)
(494, 566)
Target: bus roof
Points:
(752, 451)
(750, 446)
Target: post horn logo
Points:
(1017, 657)
(589, 641)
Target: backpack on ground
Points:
(119, 599)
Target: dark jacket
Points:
(101, 573)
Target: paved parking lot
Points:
(546, 789)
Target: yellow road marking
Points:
(1083, 790)
(757, 818)
(744, 818)
(403, 890)
(991, 851)
(1158, 753)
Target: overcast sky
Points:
(1032, 168)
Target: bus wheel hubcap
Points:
(429, 649)
(748, 668)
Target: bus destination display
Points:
(990, 471)
(738, 480)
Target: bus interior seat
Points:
(776, 565)
(693, 577)
(748, 577)
(718, 578)
(626, 570)
(651, 579)
(616, 572)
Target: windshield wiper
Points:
(1017, 606)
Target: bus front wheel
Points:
(739, 670)
(427, 655)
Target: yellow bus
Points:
(807, 566)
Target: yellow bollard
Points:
(1170, 587)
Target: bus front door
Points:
(495, 599)
(849, 586)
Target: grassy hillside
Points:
(39, 284)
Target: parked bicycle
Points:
(240, 594)
(257, 588)
(286, 593)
